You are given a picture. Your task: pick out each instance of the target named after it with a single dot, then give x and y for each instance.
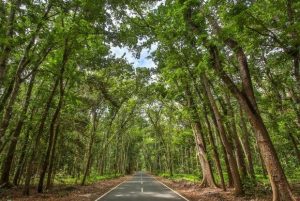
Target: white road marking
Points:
(142, 189)
(172, 190)
(110, 190)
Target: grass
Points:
(181, 177)
(93, 178)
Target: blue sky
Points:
(143, 61)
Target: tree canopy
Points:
(222, 102)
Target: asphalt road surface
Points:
(141, 187)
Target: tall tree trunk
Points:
(295, 145)
(7, 113)
(9, 158)
(50, 171)
(21, 161)
(6, 94)
(6, 166)
(51, 137)
(246, 99)
(215, 152)
(279, 183)
(246, 145)
(29, 172)
(208, 179)
(229, 151)
(234, 134)
(36, 144)
(92, 139)
(230, 177)
(23, 63)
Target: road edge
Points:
(172, 189)
(113, 188)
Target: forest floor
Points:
(194, 192)
(64, 192)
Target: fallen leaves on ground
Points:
(193, 192)
(64, 193)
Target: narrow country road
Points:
(141, 187)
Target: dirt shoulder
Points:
(64, 193)
(193, 192)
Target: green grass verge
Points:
(181, 177)
(93, 178)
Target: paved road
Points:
(141, 187)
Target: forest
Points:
(220, 106)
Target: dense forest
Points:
(222, 102)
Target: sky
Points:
(143, 61)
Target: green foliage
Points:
(92, 116)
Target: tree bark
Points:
(21, 161)
(6, 166)
(50, 171)
(92, 139)
(246, 145)
(36, 145)
(279, 183)
(230, 177)
(234, 134)
(295, 145)
(215, 152)
(51, 136)
(23, 63)
(229, 150)
(208, 179)
(6, 94)
(65, 57)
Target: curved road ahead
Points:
(141, 187)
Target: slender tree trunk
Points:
(50, 171)
(230, 177)
(208, 179)
(279, 183)
(232, 162)
(40, 131)
(25, 60)
(215, 152)
(6, 166)
(51, 137)
(8, 110)
(6, 94)
(9, 158)
(92, 139)
(21, 161)
(280, 186)
(246, 145)
(239, 150)
(295, 145)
